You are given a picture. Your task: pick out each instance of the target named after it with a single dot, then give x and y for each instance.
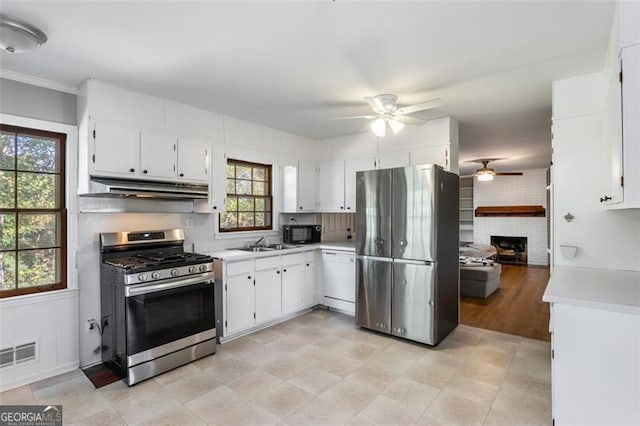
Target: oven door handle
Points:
(169, 284)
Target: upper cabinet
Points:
(390, 160)
(432, 155)
(331, 186)
(621, 109)
(158, 155)
(307, 186)
(193, 160)
(114, 150)
(351, 167)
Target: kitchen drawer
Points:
(268, 263)
(293, 259)
(310, 256)
(238, 268)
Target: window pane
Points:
(258, 188)
(38, 230)
(7, 150)
(37, 153)
(228, 220)
(8, 231)
(36, 191)
(231, 186)
(245, 204)
(259, 204)
(232, 204)
(38, 267)
(243, 172)
(245, 220)
(7, 190)
(7, 270)
(231, 171)
(243, 187)
(259, 174)
(259, 219)
(267, 204)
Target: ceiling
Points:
(293, 65)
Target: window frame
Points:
(268, 188)
(62, 139)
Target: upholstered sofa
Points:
(479, 274)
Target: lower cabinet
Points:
(267, 288)
(595, 366)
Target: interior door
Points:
(373, 293)
(373, 210)
(413, 296)
(413, 221)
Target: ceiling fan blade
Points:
(509, 174)
(376, 104)
(410, 120)
(433, 103)
(353, 117)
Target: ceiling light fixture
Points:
(485, 175)
(378, 127)
(396, 126)
(17, 36)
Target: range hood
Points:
(125, 188)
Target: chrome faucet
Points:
(257, 243)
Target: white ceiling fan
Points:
(386, 111)
(486, 173)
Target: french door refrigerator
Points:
(407, 252)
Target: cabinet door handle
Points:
(249, 277)
(307, 264)
(277, 272)
(181, 174)
(300, 207)
(284, 270)
(132, 170)
(605, 198)
(348, 208)
(341, 207)
(145, 172)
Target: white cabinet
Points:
(311, 291)
(116, 150)
(351, 167)
(431, 155)
(629, 13)
(293, 288)
(240, 299)
(621, 130)
(307, 186)
(389, 160)
(193, 160)
(331, 186)
(158, 155)
(218, 183)
(268, 295)
(595, 366)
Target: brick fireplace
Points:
(510, 249)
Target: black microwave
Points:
(301, 234)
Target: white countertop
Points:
(231, 254)
(617, 291)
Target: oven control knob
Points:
(155, 275)
(192, 269)
(203, 268)
(142, 277)
(174, 272)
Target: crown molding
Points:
(38, 81)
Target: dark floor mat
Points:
(104, 374)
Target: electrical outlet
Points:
(189, 224)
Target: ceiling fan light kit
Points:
(485, 176)
(17, 36)
(386, 111)
(486, 173)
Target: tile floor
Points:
(320, 369)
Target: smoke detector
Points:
(17, 36)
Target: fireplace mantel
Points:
(510, 211)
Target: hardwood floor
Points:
(515, 308)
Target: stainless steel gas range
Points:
(157, 301)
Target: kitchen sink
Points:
(270, 247)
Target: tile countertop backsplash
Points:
(231, 254)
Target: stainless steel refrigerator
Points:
(407, 235)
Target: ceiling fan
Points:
(386, 111)
(486, 173)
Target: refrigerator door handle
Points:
(413, 262)
(375, 258)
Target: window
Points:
(249, 198)
(32, 211)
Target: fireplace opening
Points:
(510, 249)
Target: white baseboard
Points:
(40, 375)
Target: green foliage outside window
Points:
(32, 215)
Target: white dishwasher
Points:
(339, 279)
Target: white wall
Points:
(526, 190)
(605, 239)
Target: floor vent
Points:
(17, 354)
